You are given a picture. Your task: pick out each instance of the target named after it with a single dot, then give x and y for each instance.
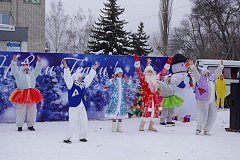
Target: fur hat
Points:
(148, 68)
(24, 65)
(118, 70)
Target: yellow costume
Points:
(221, 91)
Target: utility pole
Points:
(17, 12)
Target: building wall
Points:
(3, 45)
(31, 16)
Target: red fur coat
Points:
(148, 97)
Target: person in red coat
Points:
(149, 83)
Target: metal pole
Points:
(17, 13)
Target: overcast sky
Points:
(135, 11)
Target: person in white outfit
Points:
(26, 95)
(76, 100)
(117, 109)
(205, 96)
(169, 100)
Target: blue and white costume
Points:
(117, 108)
(76, 99)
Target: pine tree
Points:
(136, 108)
(108, 35)
(138, 42)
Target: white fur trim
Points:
(137, 64)
(148, 68)
(149, 109)
(118, 70)
(167, 66)
(25, 62)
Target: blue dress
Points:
(117, 108)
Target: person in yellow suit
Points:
(220, 91)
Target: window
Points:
(4, 18)
(229, 72)
(33, 1)
(234, 72)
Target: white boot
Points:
(119, 126)
(151, 128)
(141, 127)
(114, 128)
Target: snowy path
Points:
(170, 143)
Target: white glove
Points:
(167, 66)
(137, 64)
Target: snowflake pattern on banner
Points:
(53, 88)
(5, 104)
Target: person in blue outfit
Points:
(76, 100)
(117, 109)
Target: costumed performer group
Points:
(160, 93)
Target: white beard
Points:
(152, 82)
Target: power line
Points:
(138, 19)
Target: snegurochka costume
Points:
(117, 109)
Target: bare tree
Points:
(211, 31)
(182, 40)
(66, 33)
(165, 15)
(78, 32)
(220, 18)
(56, 27)
(87, 30)
(155, 41)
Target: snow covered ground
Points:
(170, 143)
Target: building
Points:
(22, 25)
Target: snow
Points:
(109, 32)
(102, 41)
(119, 44)
(98, 52)
(173, 143)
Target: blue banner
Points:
(53, 88)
